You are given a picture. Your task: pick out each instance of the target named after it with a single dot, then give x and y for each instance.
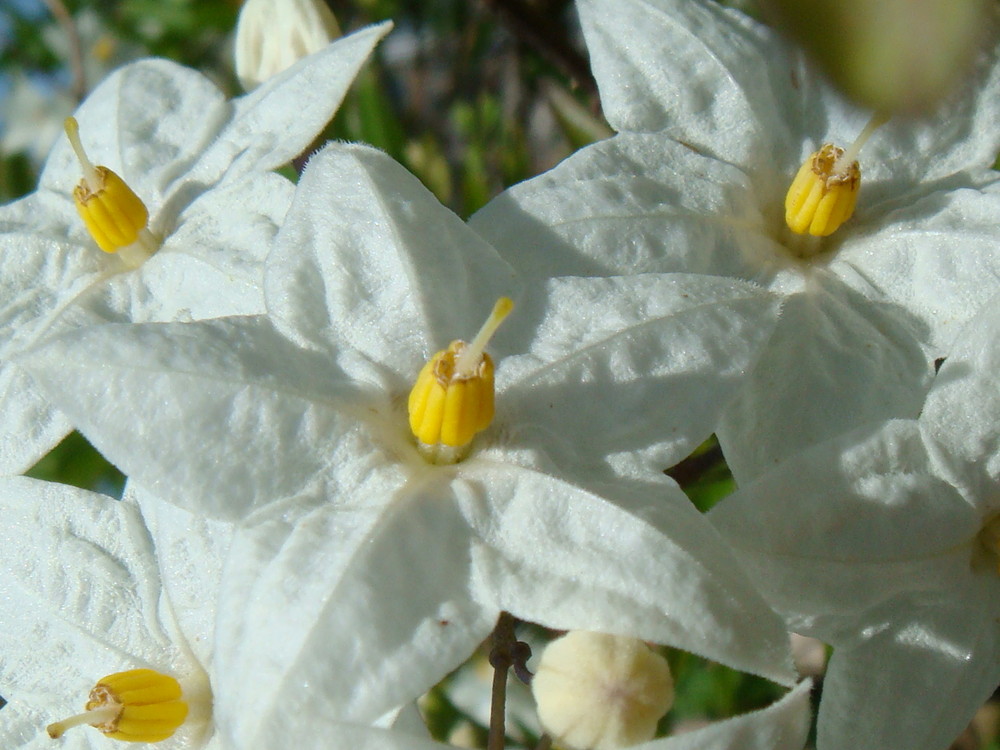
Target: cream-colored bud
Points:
(272, 35)
(601, 692)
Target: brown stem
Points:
(65, 20)
(544, 742)
(502, 643)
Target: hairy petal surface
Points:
(835, 362)
(627, 371)
(240, 415)
(368, 258)
(944, 650)
(555, 554)
(367, 608)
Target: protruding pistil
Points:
(113, 214)
(140, 705)
(825, 190)
(453, 398)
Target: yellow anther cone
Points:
(113, 214)
(449, 409)
(140, 705)
(823, 194)
(453, 397)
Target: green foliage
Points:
(75, 461)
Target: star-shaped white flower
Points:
(94, 587)
(715, 114)
(886, 543)
(202, 166)
(302, 422)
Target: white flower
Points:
(271, 35)
(201, 164)
(90, 591)
(884, 543)
(715, 115)
(394, 561)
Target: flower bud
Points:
(272, 35)
(601, 692)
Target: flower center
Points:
(140, 705)
(825, 190)
(452, 399)
(114, 215)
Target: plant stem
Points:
(502, 642)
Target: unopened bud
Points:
(272, 35)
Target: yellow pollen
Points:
(114, 215)
(453, 397)
(140, 705)
(825, 189)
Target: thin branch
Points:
(501, 660)
(65, 20)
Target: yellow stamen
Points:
(114, 215)
(453, 396)
(825, 190)
(140, 705)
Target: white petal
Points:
(962, 412)
(711, 77)
(355, 612)
(190, 552)
(554, 554)
(337, 734)
(630, 204)
(80, 591)
(38, 279)
(703, 74)
(629, 369)
(30, 426)
(912, 684)
(145, 122)
(368, 258)
(219, 416)
(870, 495)
(836, 361)
(280, 119)
(781, 726)
(848, 524)
(211, 263)
(934, 256)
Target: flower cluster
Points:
(362, 436)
